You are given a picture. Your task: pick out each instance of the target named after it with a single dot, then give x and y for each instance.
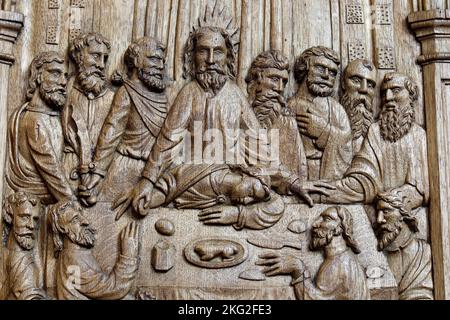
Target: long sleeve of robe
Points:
(339, 278)
(93, 282)
(382, 166)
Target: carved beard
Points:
(315, 88)
(92, 80)
(25, 241)
(395, 124)
(360, 111)
(152, 78)
(84, 238)
(54, 97)
(267, 107)
(212, 78)
(387, 233)
(321, 238)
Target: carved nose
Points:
(380, 218)
(211, 56)
(326, 74)
(279, 88)
(363, 88)
(389, 95)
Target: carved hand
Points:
(140, 198)
(129, 240)
(277, 264)
(88, 190)
(304, 188)
(222, 215)
(310, 124)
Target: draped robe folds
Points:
(36, 146)
(411, 266)
(382, 165)
(79, 277)
(201, 187)
(226, 117)
(340, 277)
(128, 135)
(330, 155)
(22, 274)
(82, 120)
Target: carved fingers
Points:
(222, 215)
(310, 124)
(277, 264)
(129, 239)
(121, 205)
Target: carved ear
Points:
(8, 213)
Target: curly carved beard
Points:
(92, 80)
(267, 107)
(395, 124)
(360, 112)
(152, 78)
(54, 96)
(315, 88)
(321, 238)
(212, 78)
(387, 233)
(25, 241)
(84, 238)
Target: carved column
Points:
(432, 29)
(11, 23)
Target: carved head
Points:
(145, 58)
(22, 215)
(333, 222)
(250, 185)
(358, 86)
(399, 95)
(210, 54)
(392, 216)
(90, 52)
(266, 81)
(319, 67)
(48, 78)
(68, 220)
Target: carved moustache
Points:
(92, 80)
(320, 238)
(25, 239)
(86, 237)
(154, 78)
(387, 233)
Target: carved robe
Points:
(35, 163)
(79, 276)
(82, 119)
(411, 266)
(201, 187)
(195, 111)
(382, 165)
(330, 155)
(340, 277)
(22, 274)
(128, 135)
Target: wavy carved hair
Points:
(35, 70)
(347, 228)
(301, 66)
(189, 52)
(84, 41)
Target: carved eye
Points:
(333, 73)
(320, 68)
(356, 80)
(371, 85)
(275, 79)
(95, 55)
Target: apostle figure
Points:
(78, 273)
(409, 257)
(322, 120)
(266, 82)
(35, 134)
(394, 154)
(214, 108)
(358, 88)
(88, 105)
(21, 216)
(133, 123)
(340, 277)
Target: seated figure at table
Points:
(340, 277)
(394, 153)
(212, 119)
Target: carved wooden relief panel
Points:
(209, 149)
